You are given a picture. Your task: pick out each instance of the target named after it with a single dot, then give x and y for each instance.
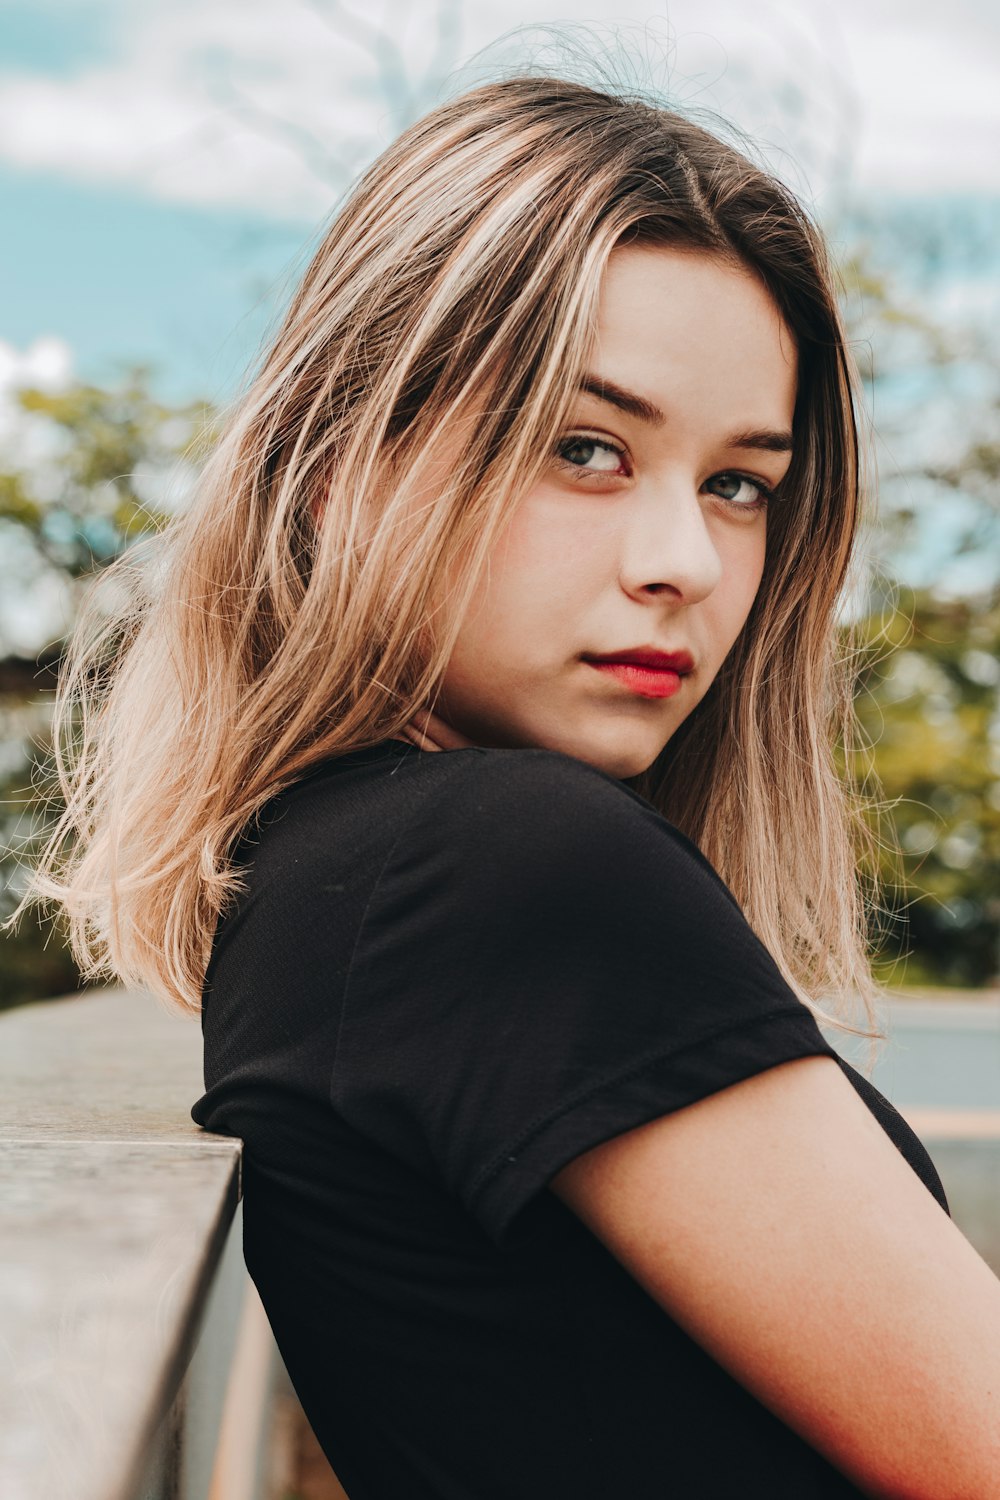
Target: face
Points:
(647, 529)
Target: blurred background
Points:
(166, 167)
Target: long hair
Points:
(462, 273)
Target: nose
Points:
(667, 546)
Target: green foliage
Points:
(109, 454)
(105, 467)
(929, 702)
(34, 960)
(898, 346)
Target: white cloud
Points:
(47, 365)
(930, 96)
(272, 104)
(192, 111)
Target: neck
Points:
(428, 731)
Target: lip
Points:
(680, 662)
(645, 670)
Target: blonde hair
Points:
(463, 273)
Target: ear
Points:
(321, 490)
(317, 506)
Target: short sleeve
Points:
(545, 963)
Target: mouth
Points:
(645, 671)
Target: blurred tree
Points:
(928, 695)
(87, 472)
(34, 960)
(929, 701)
(99, 468)
(933, 395)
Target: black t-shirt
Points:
(452, 973)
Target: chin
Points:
(625, 767)
(620, 758)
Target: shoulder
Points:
(535, 808)
(536, 843)
(547, 782)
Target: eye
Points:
(590, 455)
(741, 492)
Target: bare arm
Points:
(780, 1227)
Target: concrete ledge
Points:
(115, 1209)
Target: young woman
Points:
(467, 763)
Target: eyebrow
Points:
(767, 439)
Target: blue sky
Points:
(85, 35)
(124, 278)
(164, 163)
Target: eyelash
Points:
(764, 492)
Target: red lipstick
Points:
(644, 669)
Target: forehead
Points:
(696, 333)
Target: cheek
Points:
(756, 565)
(743, 577)
(538, 571)
(506, 613)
